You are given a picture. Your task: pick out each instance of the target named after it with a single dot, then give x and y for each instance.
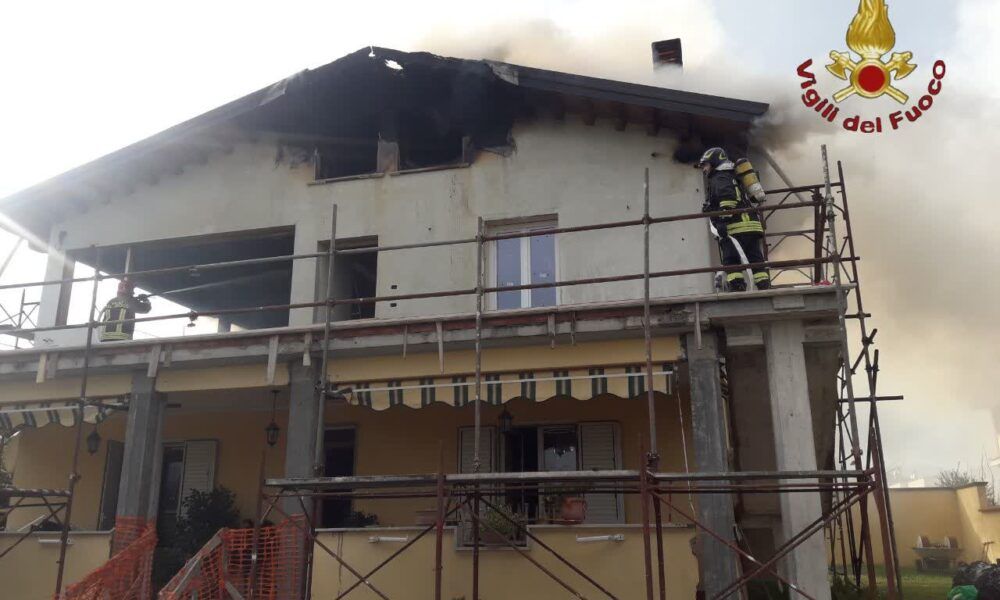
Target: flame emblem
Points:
(871, 36)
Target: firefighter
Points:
(122, 307)
(723, 192)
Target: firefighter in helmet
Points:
(115, 318)
(723, 192)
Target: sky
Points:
(83, 79)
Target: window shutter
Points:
(599, 450)
(199, 466)
(466, 444)
(112, 479)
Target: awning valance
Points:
(14, 417)
(497, 388)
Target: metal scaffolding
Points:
(860, 476)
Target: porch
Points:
(578, 407)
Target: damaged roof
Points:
(332, 100)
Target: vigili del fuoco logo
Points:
(869, 74)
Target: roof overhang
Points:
(32, 211)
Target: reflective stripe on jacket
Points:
(723, 193)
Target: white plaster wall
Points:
(584, 174)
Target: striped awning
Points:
(15, 417)
(498, 388)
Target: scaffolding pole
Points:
(75, 472)
(650, 483)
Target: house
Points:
(231, 216)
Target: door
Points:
(109, 490)
(338, 446)
(169, 503)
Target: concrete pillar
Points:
(795, 450)
(300, 449)
(717, 563)
(138, 491)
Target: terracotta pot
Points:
(573, 510)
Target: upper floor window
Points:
(355, 276)
(522, 261)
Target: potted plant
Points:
(498, 525)
(565, 504)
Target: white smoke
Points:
(923, 199)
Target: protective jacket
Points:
(722, 192)
(117, 310)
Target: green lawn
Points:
(921, 585)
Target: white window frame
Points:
(521, 225)
(541, 443)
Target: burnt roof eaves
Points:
(706, 105)
(19, 205)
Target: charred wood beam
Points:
(653, 126)
(588, 113)
(621, 116)
(559, 110)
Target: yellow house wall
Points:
(398, 440)
(44, 458)
(980, 524)
(64, 388)
(938, 513)
(403, 440)
(29, 571)
(615, 565)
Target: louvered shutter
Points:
(487, 443)
(599, 451)
(199, 466)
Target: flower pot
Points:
(573, 510)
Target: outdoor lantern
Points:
(506, 421)
(272, 430)
(93, 441)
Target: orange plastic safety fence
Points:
(225, 564)
(126, 575)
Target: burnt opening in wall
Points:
(367, 116)
(427, 142)
(346, 158)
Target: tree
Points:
(202, 515)
(954, 478)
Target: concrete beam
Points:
(717, 563)
(139, 490)
(303, 405)
(613, 320)
(795, 449)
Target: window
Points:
(522, 261)
(424, 141)
(338, 447)
(559, 448)
(567, 447)
(354, 276)
(348, 158)
(187, 466)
